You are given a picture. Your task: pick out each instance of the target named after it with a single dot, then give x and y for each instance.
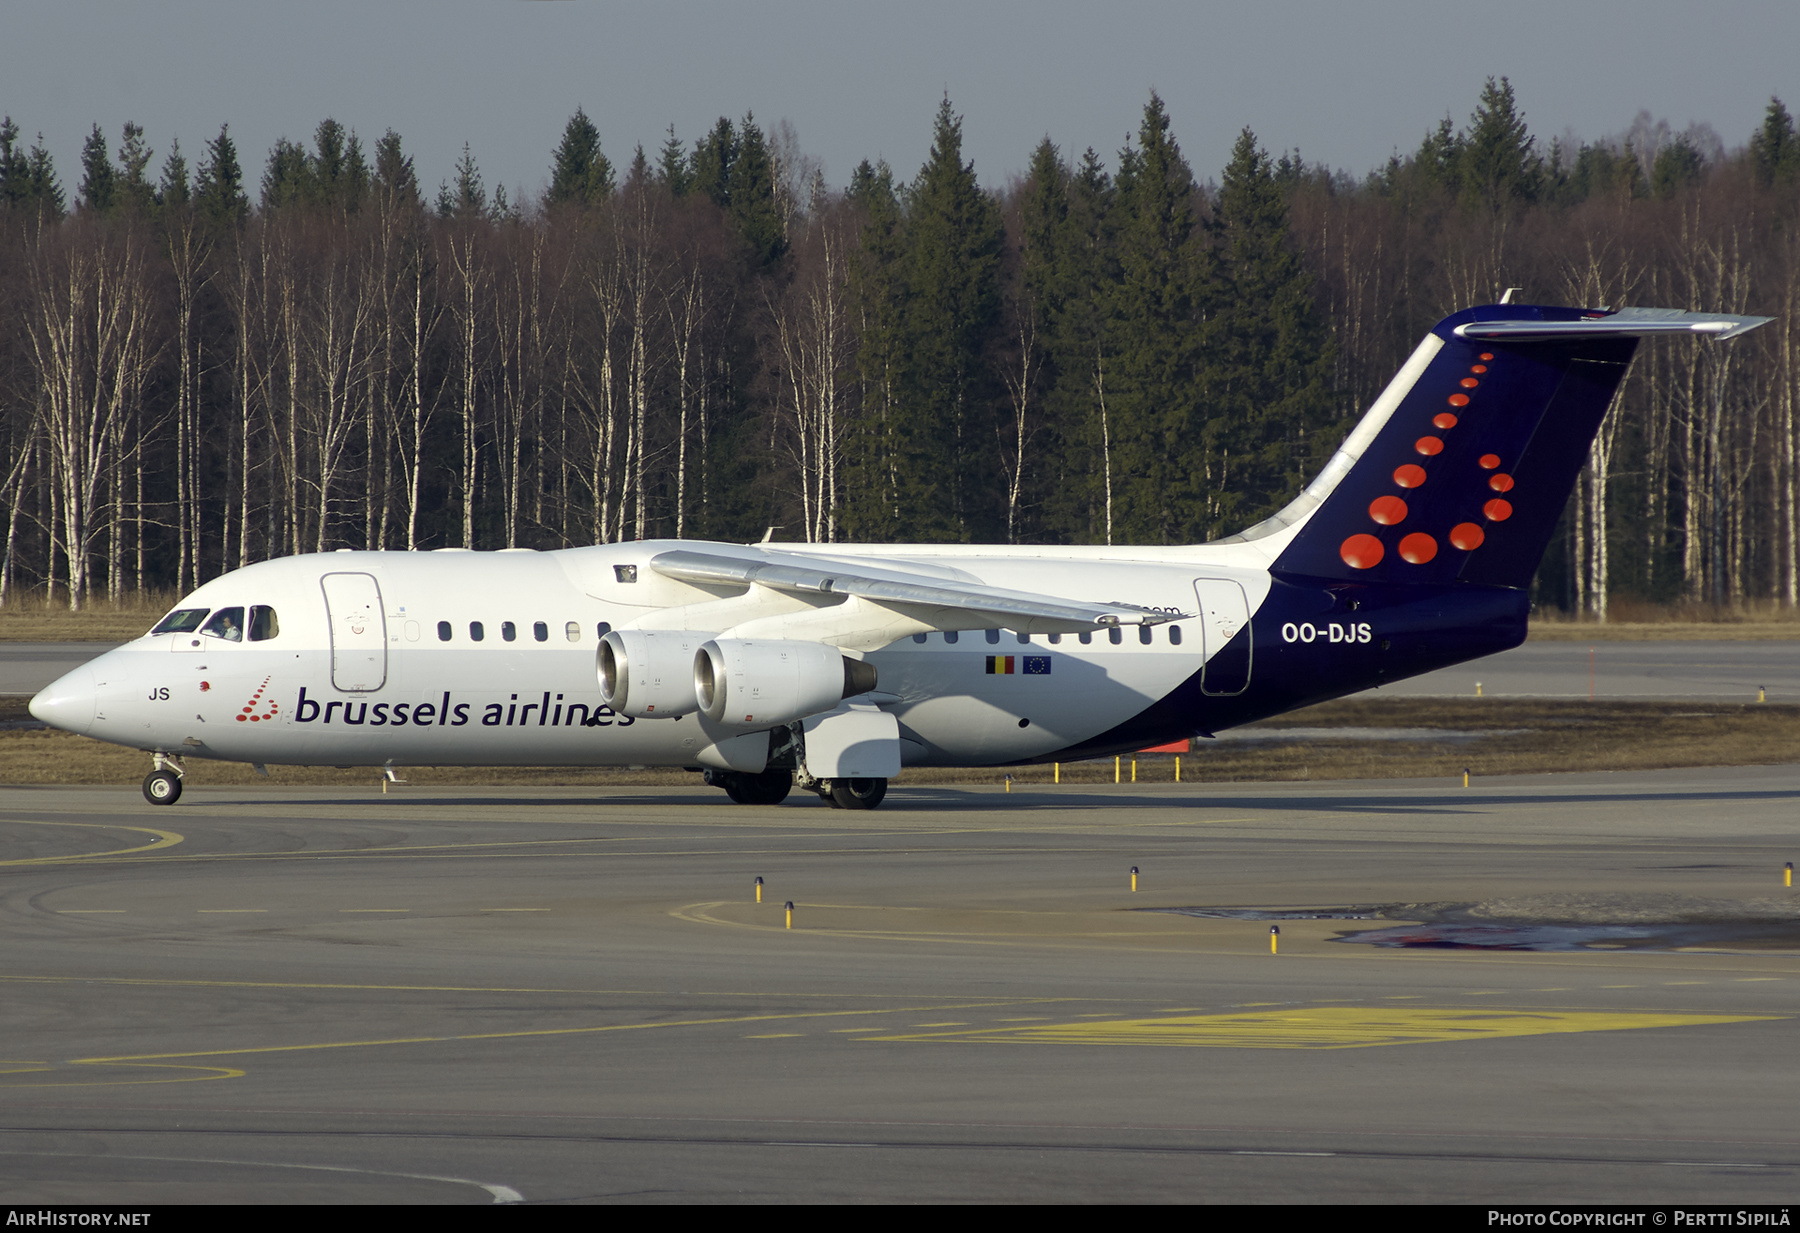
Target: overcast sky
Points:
(1346, 83)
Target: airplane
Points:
(832, 666)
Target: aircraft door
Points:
(358, 632)
(1225, 626)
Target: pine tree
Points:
(1677, 165)
(1438, 162)
(672, 167)
(946, 488)
(638, 174)
(1086, 268)
(132, 188)
(1163, 484)
(751, 196)
(1270, 360)
(580, 174)
(713, 156)
(468, 199)
(1497, 162)
(878, 291)
(173, 192)
(42, 190)
(288, 179)
(394, 177)
(1774, 148)
(354, 184)
(326, 165)
(219, 186)
(13, 166)
(96, 175)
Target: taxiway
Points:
(282, 995)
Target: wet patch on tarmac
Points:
(1555, 923)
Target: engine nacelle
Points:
(648, 673)
(774, 681)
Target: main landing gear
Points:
(853, 793)
(768, 788)
(162, 786)
(772, 787)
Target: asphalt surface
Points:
(279, 995)
(1728, 671)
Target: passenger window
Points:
(1086, 637)
(624, 573)
(1145, 633)
(227, 623)
(1174, 635)
(541, 632)
(1115, 635)
(181, 621)
(573, 630)
(1024, 639)
(475, 631)
(509, 631)
(443, 631)
(263, 625)
(1055, 639)
(918, 637)
(604, 628)
(993, 635)
(950, 635)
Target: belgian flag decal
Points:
(1009, 665)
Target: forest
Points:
(202, 368)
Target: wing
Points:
(935, 603)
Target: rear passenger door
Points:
(1225, 622)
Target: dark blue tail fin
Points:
(1460, 470)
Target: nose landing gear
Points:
(162, 786)
(164, 783)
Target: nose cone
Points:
(67, 702)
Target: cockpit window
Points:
(181, 621)
(227, 623)
(263, 625)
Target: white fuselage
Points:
(377, 661)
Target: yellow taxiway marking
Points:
(1324, 1027)
(775, 1036)
(163, 841)
(512, 909)
(953, 1023)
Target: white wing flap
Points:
(973, 602)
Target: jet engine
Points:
(774, 681)
(648, 673)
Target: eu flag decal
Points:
(1037, 665)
